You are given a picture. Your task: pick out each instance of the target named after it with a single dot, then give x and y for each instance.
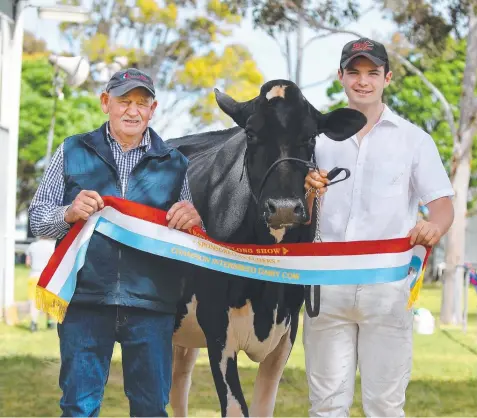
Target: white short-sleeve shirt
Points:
(40, 252)
(396, 165)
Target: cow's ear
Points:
(236, 110)
(340, 124)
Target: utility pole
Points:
(11, 69)
(11, 51)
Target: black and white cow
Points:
(245, 195)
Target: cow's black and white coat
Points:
(227, 313)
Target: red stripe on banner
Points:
(137, 210)
(158, 216)
(397, 245)
(426, 257)
(59, 253)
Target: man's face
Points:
(129, 114)
(364, 81)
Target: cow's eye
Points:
(251, 137)
(312, 140)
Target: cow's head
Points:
(280, 123)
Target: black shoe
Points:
(50, 325)
(33, 327)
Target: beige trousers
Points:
(368, 327)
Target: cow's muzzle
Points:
(280, 213)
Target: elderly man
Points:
(122, 294)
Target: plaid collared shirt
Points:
(47, 213)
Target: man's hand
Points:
(85, 204)
(317, 181)
(183, 215)
(425, 233)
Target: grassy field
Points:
(444, 378)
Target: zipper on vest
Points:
(118, 284)
(123, 190)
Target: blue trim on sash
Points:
(68, 288)
(247, 269)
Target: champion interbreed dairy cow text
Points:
(247, 184)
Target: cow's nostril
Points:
(298, 209)
(284, 211)
(272, 208)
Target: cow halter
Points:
(331, 175)
(318, 197)
(310, 164)
(313, 306)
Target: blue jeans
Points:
(87, 338)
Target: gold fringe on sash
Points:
(56, 307)
(50, 304)
(414, 296)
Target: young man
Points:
(122, 294)
(393, 164)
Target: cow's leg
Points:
(184, 361)
(223, 363)
(269, 373)
(222, 348)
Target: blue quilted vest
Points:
(114, 274)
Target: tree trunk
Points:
(451, 312)
(299, 51)
(453, 277)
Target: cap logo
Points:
(135, 77)
(362, 46)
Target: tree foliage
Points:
(428, 24)
(283, 16)
(180, 43)
(289, 23)
(78, 112)
(33, 45)
(233, 71)
(409, 97)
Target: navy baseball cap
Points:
(126, 80)
(364, 47)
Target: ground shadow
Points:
(465, 346)
(29, 387)
(23, 326)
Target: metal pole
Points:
(9, 200)
(458, 290)
(466, 300)
(57, 85)
(5, 48)
(4, 137)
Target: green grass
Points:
(21, 281)
(444, 378)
